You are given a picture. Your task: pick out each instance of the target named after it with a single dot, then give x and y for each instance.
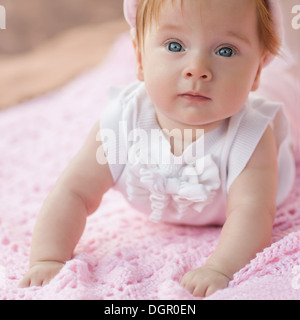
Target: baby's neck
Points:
(168, 124)
(181, 136)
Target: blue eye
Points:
(226, 52)
(175, 47)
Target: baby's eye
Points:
(175, 47)
(226, 52)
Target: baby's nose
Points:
(197, 68)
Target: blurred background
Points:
(31, 22)
(46, 43)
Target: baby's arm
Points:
(251, 210)
(60, 224)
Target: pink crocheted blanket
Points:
(121, 254)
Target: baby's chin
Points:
(204, 125)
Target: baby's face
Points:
(200, 61)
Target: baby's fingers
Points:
(204, 281)
(25, 282)
(200, 290)
(30, 281)
(215, 287)
(196, 288)
(41, 274)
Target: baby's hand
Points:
(41, 273)
(204, 281)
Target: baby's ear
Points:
(138, 59)
(256, 81)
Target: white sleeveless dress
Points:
(190, 189)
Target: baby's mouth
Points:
(194, 96)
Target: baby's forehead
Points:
(207, 15)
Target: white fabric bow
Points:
(191, 186)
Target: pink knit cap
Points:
(130, 8)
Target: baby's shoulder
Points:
(262, 106)
(126, 106)
(129, 93)
(125, 101)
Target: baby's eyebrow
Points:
(169, 26)
(239, 36)
(177, 27)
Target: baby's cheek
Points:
(234, 92)
(157, 92)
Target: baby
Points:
(219, 156)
